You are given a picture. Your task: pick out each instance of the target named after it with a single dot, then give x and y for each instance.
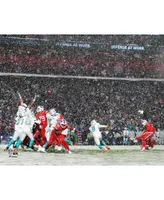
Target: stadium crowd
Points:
(113, 102)
(80, 63)
(110, 102)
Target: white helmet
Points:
(39, 109)
(52, 112)
(144, 122)
(63, 123)
(93, 122)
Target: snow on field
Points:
(88, 155)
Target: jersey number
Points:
(23, 121)
(93, 129)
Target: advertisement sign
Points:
(128, 47)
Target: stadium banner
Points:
(128, 47)
(133, 48)
(72, 44)
(39, 42)
(81, 45)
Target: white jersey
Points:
(24, 125)
(95, 129)
(52, 121)
(25, 121)
(20, 113)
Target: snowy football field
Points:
(88, 155)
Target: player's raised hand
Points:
(34, 98)
(20, 98)
(31, 104)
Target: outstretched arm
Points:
(20, 98)
(31, 104)
(103, 126)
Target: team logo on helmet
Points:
(63, 123)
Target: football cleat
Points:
(43, 150)
(22, 146)
(108, 147)
(39, 148)
(147, 147)
(59, 148)
(15, 152)
(104, 150)
(143, 148)
(29, 149)
(7, 148)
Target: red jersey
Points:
(58, 129)
(42, 116)
(149, 128)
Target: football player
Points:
(41, 131)
(147, 135)
(57, 134)
(23, 127)
(53, 118)
(95, 130)
(24, 121)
